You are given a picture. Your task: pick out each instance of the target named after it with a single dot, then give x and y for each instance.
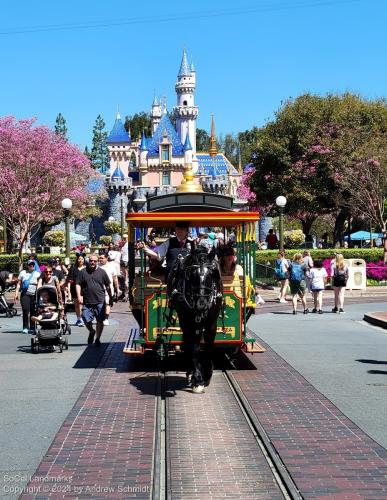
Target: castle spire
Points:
(184, 66)
(143, 145)
(213, 151)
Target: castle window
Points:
(185, 103)
(165, 153)
(166, 181)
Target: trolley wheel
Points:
(14, 312)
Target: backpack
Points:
(278, 270)
(296, 272)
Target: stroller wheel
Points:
(66, 344)
(33, 347)
(60, 347)
(9, 314)
(68, 330)
(14, 312)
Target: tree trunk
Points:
(338, 231)
(307, 224)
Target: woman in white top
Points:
(318, 279)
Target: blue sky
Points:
(249, 57)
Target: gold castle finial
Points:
(213, 151)
(187, 184)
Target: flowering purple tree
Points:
(38, 169)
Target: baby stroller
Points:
(6, 307)
(51, 325)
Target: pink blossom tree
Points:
(38, 169)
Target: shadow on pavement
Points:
(377, 372)
(372, 361)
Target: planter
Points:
(55, 250)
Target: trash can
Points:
(357, 277)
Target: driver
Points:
(171, 248)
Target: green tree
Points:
(248, 144)
(99, 155)
(202, 140)
(138, 123)
(310, 149)
(60, 126)
(229, 146)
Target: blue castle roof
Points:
(118, 174)
(187, 145)
(184, 66)
(143, 145)
(118, 133)
(214, 166)
(165, 125)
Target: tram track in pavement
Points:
(209, 444)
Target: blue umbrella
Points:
(363, 235)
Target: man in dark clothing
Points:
(271, 240)
(174, 246)
(92, 285)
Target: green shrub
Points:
(105, 240)
(368, 254)
(112, 227)
(54, 238)
(10, 262)
(294, 238)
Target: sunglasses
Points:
(92, 260)
(47, 272)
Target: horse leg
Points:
(208, 352)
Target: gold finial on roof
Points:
(187, 184)
(213, 151)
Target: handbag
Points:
(339, 280)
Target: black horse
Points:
(195, 292)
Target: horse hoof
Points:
(198, 389)
(189, 378)
(207, 382)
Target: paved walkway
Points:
(306, 390)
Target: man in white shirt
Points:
(110, 270)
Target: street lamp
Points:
(281, 203)
(67, 205)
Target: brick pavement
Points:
(106, 441)
(212, 451)
(326, 454)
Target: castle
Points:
(154, 165)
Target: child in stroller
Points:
(46, 310)
(51, 326)
(7, 282)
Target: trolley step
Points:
(133, 344)
(252, 347)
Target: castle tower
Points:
(156, 113)
(185, 110)
(119, 146)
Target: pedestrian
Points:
(308, 261)
(72, 277)
(92, 285)
(124, 268)
(297, 282)
(34, 257)
(47, 278)
(114, 255)
(27, 282)
(339, 274)
(281, 274)
(111, 271)
(318, 278)
(271, 240)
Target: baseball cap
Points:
(31, 262)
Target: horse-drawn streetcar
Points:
(197, 307)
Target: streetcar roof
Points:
(195, 219)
